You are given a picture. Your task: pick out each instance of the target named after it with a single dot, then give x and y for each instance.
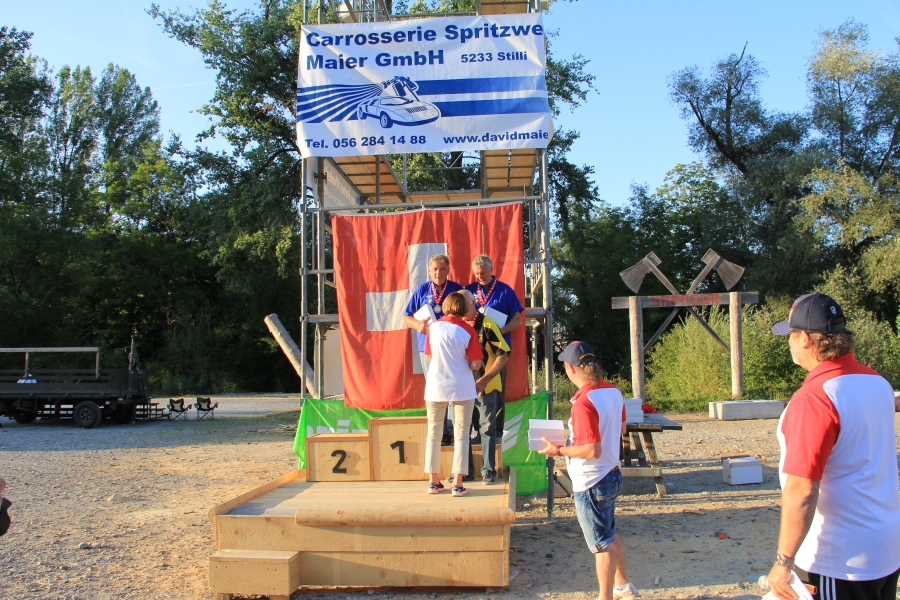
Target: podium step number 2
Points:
(338, 457)
(392, 450)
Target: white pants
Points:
(462, 421)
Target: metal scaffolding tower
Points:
(506, 176)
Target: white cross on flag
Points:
(384, 310)
(380, 259)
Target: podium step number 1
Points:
(392, 450)
(397, 448)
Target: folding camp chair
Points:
(178, 410)
(205, 408)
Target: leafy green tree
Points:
(762, 157)
(855, 94)
(95, 236)
(24, 88)
(728, 122)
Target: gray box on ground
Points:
(742, 410)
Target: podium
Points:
(359, 515)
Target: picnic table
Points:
(645, 453)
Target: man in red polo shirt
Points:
(840, 499)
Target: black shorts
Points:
(829, 588)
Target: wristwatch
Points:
(784, 561)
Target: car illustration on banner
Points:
(398, 104)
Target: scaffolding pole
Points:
(304, 301)
(548, 319)
(320, 278)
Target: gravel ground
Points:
(154, 543)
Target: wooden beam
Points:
(636, 323)
(282, 533)
(737, 346)
(290, 349)
(641, 471)
(350, 513)
(684, 300)
(254, 572)
(81, 349)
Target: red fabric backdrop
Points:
(372, 256)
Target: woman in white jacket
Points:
(453, 352)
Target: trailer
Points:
(85, 395)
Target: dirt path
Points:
(155, 543)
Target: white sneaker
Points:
(629, 591)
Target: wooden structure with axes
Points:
(730, 274)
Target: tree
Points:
(24, 86)
(763, 158)
(855, 94)
(679, 221)
(820, 186)
(728, 121)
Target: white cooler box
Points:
(545, 428)
(742, 470)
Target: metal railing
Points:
(29, 351)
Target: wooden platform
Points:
(292, 532)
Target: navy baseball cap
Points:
(813, 313)
(578, 354)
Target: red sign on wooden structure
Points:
(685, 300)
(682, 300)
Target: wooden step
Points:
(338, 457)
(265, 572)
(397, 448)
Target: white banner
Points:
(423, 85)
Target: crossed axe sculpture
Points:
(729, 272)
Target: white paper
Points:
(426, 313)
(797, 586)
(545, 428)
(498, 317)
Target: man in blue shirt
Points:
(492, 293)
(430, 293)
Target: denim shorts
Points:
(596, 508)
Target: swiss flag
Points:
(380, 259)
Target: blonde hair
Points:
(829, 346)
(591, 371)
(455, 305)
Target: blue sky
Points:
(630, 132)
